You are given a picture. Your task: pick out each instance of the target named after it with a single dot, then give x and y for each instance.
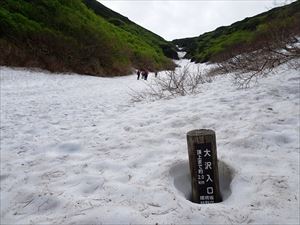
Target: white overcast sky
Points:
(188, 18)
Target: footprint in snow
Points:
(69, 147)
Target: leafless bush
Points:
(216, 70)
(249, 63)
(181, 82)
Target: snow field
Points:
(76, 150)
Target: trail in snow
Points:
(74, 149)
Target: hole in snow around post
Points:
(181, 178)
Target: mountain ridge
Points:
(208, 46)
(125, 23)
(68, 36)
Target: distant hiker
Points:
(138, 72)
(146, 74)
(156, 73)
(143, 74)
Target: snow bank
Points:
(74, 150)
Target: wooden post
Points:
(203, 160)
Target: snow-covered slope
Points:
(75, 150)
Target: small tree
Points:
(174, 83)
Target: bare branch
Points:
(181, 82)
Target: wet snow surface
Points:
(75, 150)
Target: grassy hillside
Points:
(247, 34)
(60, 35)
(124, 23)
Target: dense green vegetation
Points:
(245, 34)
(124, 23)
(60, 35)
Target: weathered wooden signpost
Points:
(203, 160)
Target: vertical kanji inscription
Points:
(203, 166)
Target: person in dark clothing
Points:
(146, 74)
(138, 72)
(143, 73)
